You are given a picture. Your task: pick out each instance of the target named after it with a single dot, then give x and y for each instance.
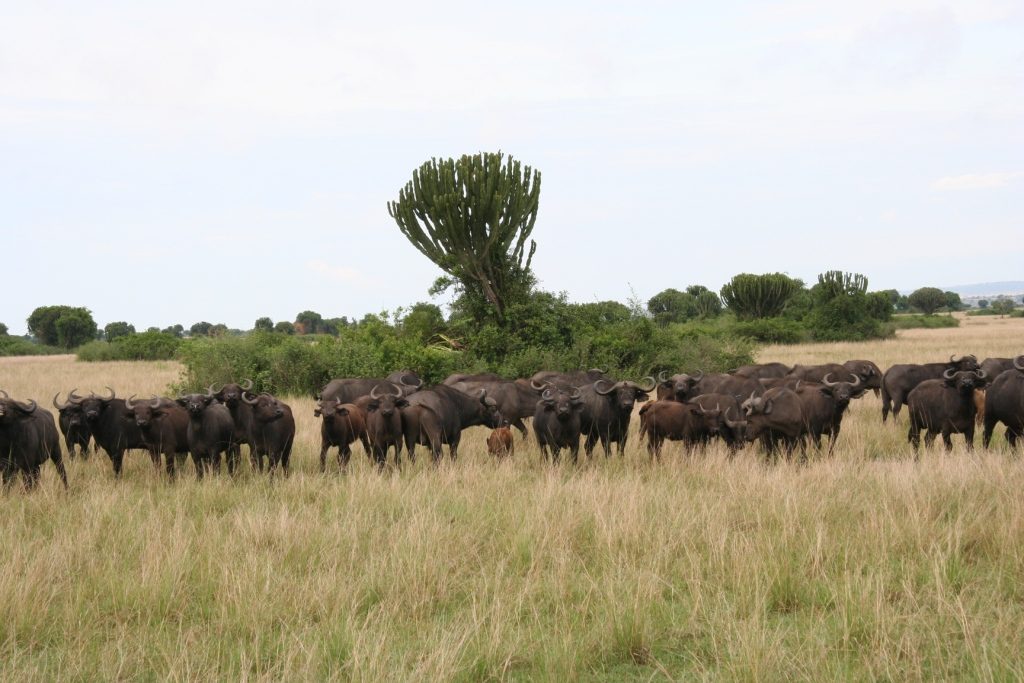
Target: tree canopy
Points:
(472, 217)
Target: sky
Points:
(166, 163)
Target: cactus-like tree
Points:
(759, 296)
(472, 217)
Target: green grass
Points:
(907, 321)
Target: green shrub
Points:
(771, 330)
(19, 346)
(144, 346)
(911, 321)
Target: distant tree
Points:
(218, 330)
(284, 327)
(1003, 306)
(75, 327)
(263, 325)
(308, 322)
(759, 296)
(3, 330)
(152, 330)
(117, 329)
(706, 302)
(472, 217)
(982, 303)
(927, 299)
(672, 306)
(200, 329)
(894, 296)
(953, 302)
(176, 330)
(44, 325)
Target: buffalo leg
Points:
(947, 440)
(324, 447)
(344, 455)
(969, 437)
(154, 456)
(521, 426)
(169, 463)
(588, 445)
(989, 427)
(929, 438)
(622, 446)
(58, 462)
(1011, 437)
(118, 460)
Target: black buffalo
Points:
(349, 389)
(273, 430)
(775, 418)
(164, 428)
(1004, 402)
(824, 404)
(516, 399)
(678, 387)
(452, 411)
(28, 438)
(944, 406)
(556, 421)
(724, 416)
(72, 425)
(210, 431)
(899, 380)
(762, 370)
(607, 408)
(384, 422)
(993, 367)
(241, 414)
(110, 426)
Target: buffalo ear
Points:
(642, 395)
(401, 403)
(951, 381)
(768, 406)
(317, 413)
(374, 405)
(181, 402)
(341, 411)
(827, 391)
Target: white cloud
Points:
(976, 181)
(335, 273)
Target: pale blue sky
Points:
(173, 162)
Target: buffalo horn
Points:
(654, 383)
(246, 385)
(948, 374)
(4, 393)
(952, 359)
(730, 423)
(253, 401)
(155, 402)
(373, 393)
(211, 390)
(598, 370)
(980, 374)
(576, 394)
(60, 406)
(546, 395)
(398, 389)
(698, 377)
(856, 380)
(603, 381)
(663, 376)
(128, 405)
(1018, 363)
(537, 387)
(75, 398)
(418, 383)
(29, 407)
(824, 380)
(112, 395)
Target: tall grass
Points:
(866, 565)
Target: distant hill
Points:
(1011, 287)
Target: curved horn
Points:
(4, 393)
(25, 407)
(952, 359)
(246, 385)
(373, 393)
(662, 376)
(211, 390)
(980, 374)
(60, 406)
(576, 394)
(546, 395)
(398, 389)
(128, 405)
(251, 401)
(856, 380)
(1018, 363)
(482, 395)
(154, 402)
(603, 372)
(654, 383)
(75, 398)
(537, 387)
(732, 424)
(824, 380)
(112, 395)
(603, 381)
(418, 383)
(698, 377)
(948, 374)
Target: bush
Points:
(771, 331)
(19, 346)
(910, 321)
(144, 346)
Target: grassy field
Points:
(866, 565)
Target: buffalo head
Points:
(965, 382)
(842, 392)
(677, 387)
(143, 412)
(387, 404)
(195, 404)
(265, 407)
(624, 395)
(562, 403)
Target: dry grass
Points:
(868, 565)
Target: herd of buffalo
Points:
(781, 407)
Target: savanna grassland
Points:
(868, 565)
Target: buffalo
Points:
(28, 438)
(1004, 402)
(716, 409)
(210, 431)
(273, 430)
(111, 427)
(823, 405)
(762, 371)
(944, 406)
(451, 412)
(607, 408)
(993, 367)
(556, 421)
(679, 387)
(241, 414)
(349, 389)
(500, 442)
(164, 428)
(675, 421)
(72, 425)
(342, 424)
(775, 417)
(899, 380)
(385, 419)
(516, 399)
